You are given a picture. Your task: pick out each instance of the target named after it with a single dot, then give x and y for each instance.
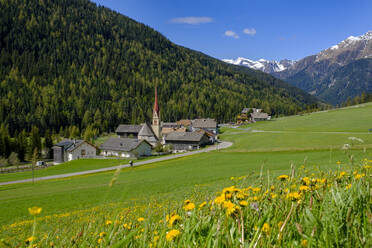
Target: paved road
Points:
(222, 145)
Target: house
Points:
(68, 150)
(168, 127)
(184, 122)
(146, 133)
(258, 115)
(209, 125)
(183, 141)
(252, 115)
(128, 131)
(211, 136)
(126, 148)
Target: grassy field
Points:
(68, 167)
(270, 154)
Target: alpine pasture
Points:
(293, 181)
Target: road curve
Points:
(222, 145)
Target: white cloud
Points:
(193, 20)
(231, 33)
(249, 31)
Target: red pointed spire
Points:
(156, 106)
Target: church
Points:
(151, 133)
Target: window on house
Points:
(83, 152)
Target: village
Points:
(140, 140)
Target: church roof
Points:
(146, 130)
(124, 128)
(156, 106)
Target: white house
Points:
(126, 148)
(68, 150)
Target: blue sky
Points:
(270, 29)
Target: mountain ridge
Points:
(315, 73)
(73, 63)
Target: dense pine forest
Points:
(71, 65)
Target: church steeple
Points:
(156, 122)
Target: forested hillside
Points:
(70, 63)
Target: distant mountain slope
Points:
(70, 62)
(316, 74)
(262, 64)
(324, 73)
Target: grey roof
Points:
(204, 123)
(125, 128)
(69, 145)
(184, 136)
(171, 124)
(146, 130)
(259, 115)
(121, 144)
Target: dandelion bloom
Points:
(306, 180)
(283, 177)
(295, 196)
(348, 186)
(173, 219)
(172, 234)
(231, 208)
(102, 234)
(34, 211)
(30, 239)
(100, 240)
(202, 204)
(108, 222)
(140, 219)
(266, 228)
(304, 243)
(304, 188)
(243, 203)
(188, 205)
(359, 176)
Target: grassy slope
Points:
(176, 179)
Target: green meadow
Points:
(314, 140)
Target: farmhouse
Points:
(209, 125)
(183, 141)
(68, 150)
(125, 148)
(128, 131)
(252, 115)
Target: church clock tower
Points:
(156, 122)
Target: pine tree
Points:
(48, 143)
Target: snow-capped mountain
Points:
(262, 64)
(334, 74)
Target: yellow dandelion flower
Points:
(348, 186)
(189, 206)
(35, 211)
(202, 204)
(283, 177)
(294, 196)
(140, 219)
(243, 203)
(273, 195)
(338, 162)
(173, 219)
(305, 180)
(29, 240)
(108, 222)
(231, 208)
(266, 228)
(100, 240)
(220, 199)
(359, 176)
(172, 234)
(156, 238)
(304, 188)
(304, 243)
(102, 234)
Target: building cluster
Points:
(251, 115)
(135, 141)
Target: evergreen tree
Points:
(35, 141)
(48, 143)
